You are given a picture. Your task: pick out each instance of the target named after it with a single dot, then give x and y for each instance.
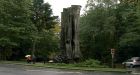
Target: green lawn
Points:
(65, 66)
(73, 67)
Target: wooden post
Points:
(112, 55)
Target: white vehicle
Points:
(134, 61)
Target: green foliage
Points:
(129, 40)
(24, 23)
(15, 23)
(90, 63)
(107, 24)
(44, 39)
(47, 45)
(42, 15)
(98, 26)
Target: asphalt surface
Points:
(10, 69)
(135, 70)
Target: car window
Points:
(138, 60)
(129, 60)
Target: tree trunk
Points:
(70, 32)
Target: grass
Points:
(66, 66)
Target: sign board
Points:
(112, 51)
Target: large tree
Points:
(110, 24)
(129, 41)
(15, 24)
(98, 26)
(25, 24)
(44, 21)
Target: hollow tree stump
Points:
(70, 33)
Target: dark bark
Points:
(70, 33)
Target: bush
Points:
(91, 63)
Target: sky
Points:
(58, 5)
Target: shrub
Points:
(90, 63)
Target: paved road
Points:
(8, 69)
(135, 70)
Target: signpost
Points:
(112, 53)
